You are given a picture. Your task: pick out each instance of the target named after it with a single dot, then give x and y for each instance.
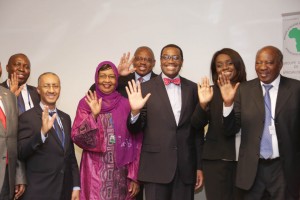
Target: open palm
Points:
(205, 92)
(93, 102)
(228, 90)
(136, 100)
(124, 65)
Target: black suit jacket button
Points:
(62, 171)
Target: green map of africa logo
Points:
(295, 34)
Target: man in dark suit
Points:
(267, 110)
(143, 63)
(18, 69)
(170, 162)
(46, 147)
(12, 171)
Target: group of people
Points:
(37, 153)
(164, 133)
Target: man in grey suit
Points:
(12, 173)
(267, 110)
(170, 162)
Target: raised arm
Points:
(87, 130)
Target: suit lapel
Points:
(65, 128)
(6, 108)
(257, 96)
(153, 75)
(162, 93)
(185, 90)
(283, 95)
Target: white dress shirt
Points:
(273, 95)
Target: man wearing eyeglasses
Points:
(46, 147)
(18, 69)
(170, 161)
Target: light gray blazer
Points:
(8, 142)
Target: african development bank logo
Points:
(292, 39)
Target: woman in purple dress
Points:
(110, 155)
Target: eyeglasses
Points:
(49, 86)
(169, 57)
(138, 58)
(104, 76)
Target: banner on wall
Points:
(291, 45)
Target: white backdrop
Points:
(71, 37)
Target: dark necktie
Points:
(266, 149)
(3, 121)
(21, 104)
(58, 130)
(175, 81)
(141, 80)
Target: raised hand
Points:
(124, 65)
(205, 92)
(228, 90)
(14, 84)
(136, 100)
(47, 122)
(94, 103)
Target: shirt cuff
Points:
(76, 188)
(227, 110)
(44, 137)
(134, 118)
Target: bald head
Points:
(268, 64)
(144, 60)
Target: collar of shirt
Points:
(145, 78)
(43, 106)
(275, 84)
(170, 85)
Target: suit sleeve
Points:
(73, 160)
(93, 87)
(140, 123)
(199, 118)
(20, 173)
(29, 136)
(20, 165)
(232, 123)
